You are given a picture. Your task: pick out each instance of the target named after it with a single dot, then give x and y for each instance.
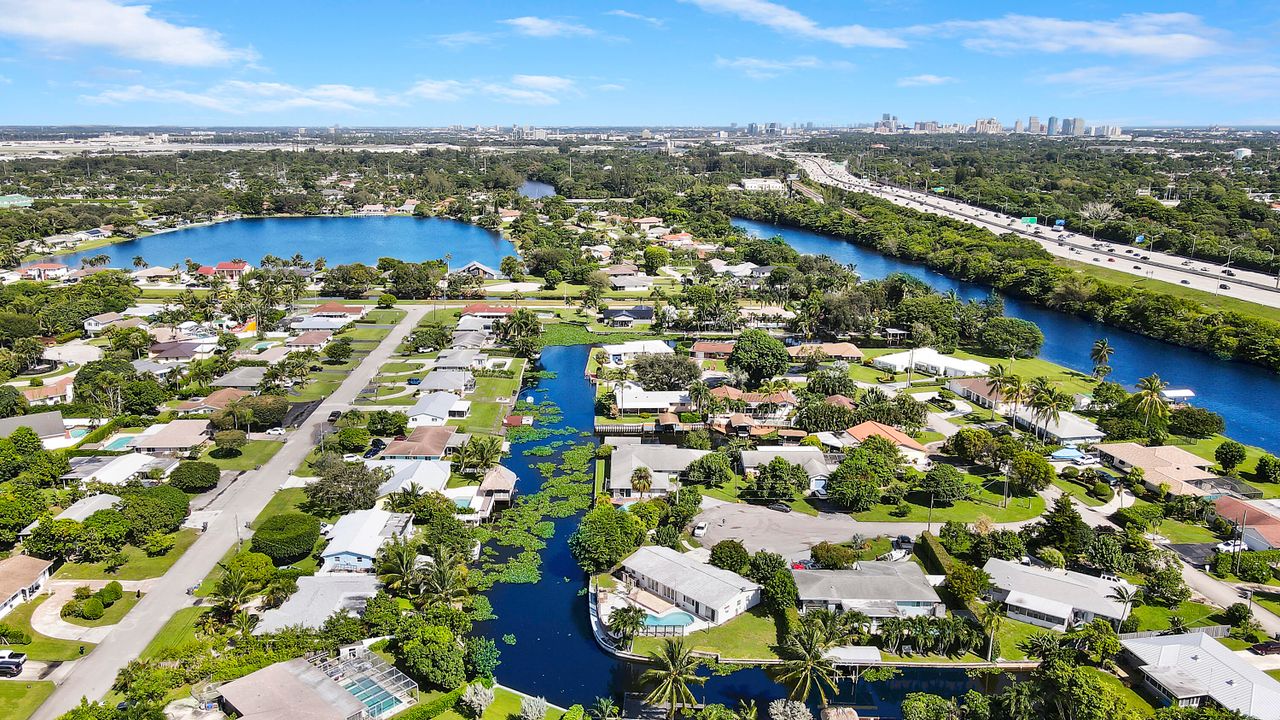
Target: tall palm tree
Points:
(397, 566)
(232, 592)
(1015, 391)
(1101, 354)
(997, 376)
(806, 666)
(1124, 594)
(444, 580)
(642, 480)
(139, 262)
(626, 622)
(674, 670)
(1151, 400)
(699, 394)
(1017, 702)
(991, 619)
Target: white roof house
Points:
(122, 469)
(623, 353)
(1052, 598)
(704, 590)
(80, 510)
(811, 459)
(357, 537)
(430, 475)
(928, 360)
(665, 463)
(455, 381)
(877, 589)
(631, 398)
(1067, 429)
(1189, 669)
(318, 597)
(434, 408)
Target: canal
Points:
(1235, 390)
(555, 654)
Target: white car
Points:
(1231, 546)
(1086, 460)
(351, 457)
(700, 529)
(275, 431)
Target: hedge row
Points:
(936, 559)
(288, 537)
(433, 708)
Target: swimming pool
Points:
(79, 432)
(120, 443)
(675, 617)
(263, 346)
(375, 697)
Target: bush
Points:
(92, 609)
(834, 557)
(157, 544)
(1102, 491)
(730, 555)
(1237, 614)
(1195, 422)
(10, 635)
(575, 712)
(195, 476)
(288, 537)
(110, 593)
(353, 439)
(476, 698)
(533, 708)
(433, 708)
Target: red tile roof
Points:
(733, 393)
(865, 430)
(481, 308)
(229, 265)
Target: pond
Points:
(337, 239)
(1232, 389)
(533, 189)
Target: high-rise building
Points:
(987, 126)
(1053, 126)
(1033, 125)
(1077, 126)
(1067, 127)
(1017, 125)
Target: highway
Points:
(1200, 275)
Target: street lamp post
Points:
(1230, 252)
(1272, 261)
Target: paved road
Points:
(92, 676)
(1201, 275)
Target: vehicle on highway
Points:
(1137, 267)
(1223, 286)
(1111, 259)
(1231, 546)
(700, 529)
(1270, 647)
(1185, 281)
(1146, 257)
(780, 507)
(335, 416)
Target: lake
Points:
(338, 240)
(533, 189)
(1235, 390)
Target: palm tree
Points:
(139, 262)
(1151, 398)
(444, 581)
(626, 622)
(480, 453)
(997, 376)
(699, 394)
(1015, 391)
(605, 709)
(1017, 702)
(991, 619)
(674, 670)
(1101, 357)
(642, 480)
(1041, 645)
(1124, 594)
(233, 591)
(243, 623)
(806, 666)
(397, 566)
(407, 499)
(1177, 626)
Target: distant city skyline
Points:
(676, 62)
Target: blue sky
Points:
(284, 62)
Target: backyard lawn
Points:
(1181, 532)
(730, 492)
(752, 634)
(41, 647)
(506, 706)
(1155, 617)
(485, 417)
(111, 615)
(140, 566)
(1011, 634)
(20, 698)
(1130, 698)
(253, 454)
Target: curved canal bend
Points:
(555, 654)
(1243, 394)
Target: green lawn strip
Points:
(924, 437)
(485, 417)
(41, 647)
(111, 615)
(505, 706)
(139, 567)
(20, 698)
(751, 635)
(400, 368)
(316, 390)
(1156, 617)
(253, 454)
(966, 658)
(1244, 307)
(384, 317)
(1181, 532)
(367, 334)
(1011, 634)
(1077, 492)
(1125, 693)
(600, 477)
(1246, 471)
(984, 502)
(178, 631)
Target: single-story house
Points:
(878, 589)
(499, 484)
(707, 591)
(907, 444)
(317, 598)
(1067, 429)
(471, 340)
(292, 689)
(623, 353)
(631, 282)
(80, 510)
(631, 398)
(425, 443)
(980, 392)
(811, 459)
(1182, 472)
(833, 350)
(181, 351)
(428, 475)
(931, 361)
(460, 359)
(454, 381)
(245, 377)
(48, 426)
(52, 393)
(99, 323)
(146, 366)
(437, 408)
(120, 469)
(156, 275)
(712, 350)
(1053, 598)
(621, 270)
(177, 436)
(328, 324)
(473, 323)
(21, 578)
(1261, 528)
(774, 405)
(338, 311)
(626, 317)
(357, 537)
(310, 340)
(217, 400)
(1195, 670)
(666, 464)
(480, 270)
(487, 310)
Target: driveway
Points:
(92, 676)
(47, 618)
(76, 351)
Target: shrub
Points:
(435, 707)
(834, 557)
(1102, 491)
(110, 593)
(789, 710)
(730, 555)
(288, 537)
(10, 635)
(91, 609)
(575, 712)
(533, 708)
(353, 439)
(1195, 422)
(157, 544)
(476, 698)
(195, 476)
(1237, 614)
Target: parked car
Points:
(700, 529)
(275, 431)
(11, 663)
(371, 452)
(335, 416)
(1086, 460)
(780, 507)
(414, 381)
(905, 542)
(351, 457)
(1185, 281)
(1231, 546)
(378, 443)
(1270, 647)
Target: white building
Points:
(357, 537)
(631, 398)
(1052, 598)
(930, 361)
(666, 463)
(1195, 670)
(21, 578)
(707, 591)
(877, 589)
(623, 353)
(1067, 429)
(437, 408)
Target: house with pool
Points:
(879, 590)
(680, 593)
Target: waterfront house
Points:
(43, 271)
(317, 598)
(712, 350)
(454, 381)
(291, 689)
(626, 317)
(310, 340)
(1179, 471)
(21, 578)
(486, 310)
(1195, 670)
(460, 359)
(1067, 429)
(156, 275)
(666, 465)
(630, 398)
(930, 361)
(52, 393)
(480, 270)
(1053, 598)
(428, 475)
(437, 408)
(171, 438)
(98, 233)
(709, 592)
(426, 443)
(357, 537)
(879, 590)
(619, 354)
(232, 270)
(767, 406)
(48, 426)
(245, 377)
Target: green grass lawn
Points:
(506, 706)
(1077, 492)
(179, 630)
(367, 334)
(1206, 447)
(485, 417)
(316, 390)
(1011, 634)
(752, 635)
(253, 454)
(984, 502)
(397, 368)
(41, 647)
(731, 492)
(111, 615)
(1070, 380)
(491, 388)
(20, 698)
(385, 316)
(1125, 693)
(1156, 617)
(140, 566)
(1181, 532)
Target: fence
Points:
(1213, 631)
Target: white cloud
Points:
(126, 30)
(656, 22)
(924, 80)
(1223, 82)
(546, 27)
(463, 39)
(611, 87)
(550, 83)
(765, 68)
(238, 97)
(438, 90)
(785, 20)
(1161, 36)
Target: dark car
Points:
(1223, 286)
(378, 443)
(780, 507)
(371, 452)
(415, 381)
(905, 542)
(1270, 647)
(335, 416)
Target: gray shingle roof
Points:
(1083, 592)
(704, 583)
(317, 598)
(434, 405)
(45, 424)
(662, 460)
(1195, 664)
(897, 581)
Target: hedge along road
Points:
(93, 675)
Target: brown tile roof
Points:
(713, 347)
(835, 350)
(1237, 511)
(841, 400)
(423, 442)
(218, 399)
(732, 393)
(53, 389)
(337, 307)
(478, 308)
(862, 431)
(18, 572)
(311, 337)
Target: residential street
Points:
(93, 675)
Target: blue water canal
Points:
(555, 654)
(1243, 394)
(337, 240)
